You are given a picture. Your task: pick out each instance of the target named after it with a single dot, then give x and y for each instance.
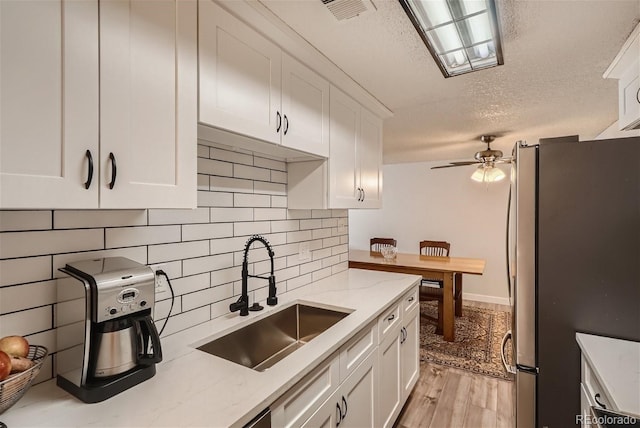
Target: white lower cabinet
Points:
(352, 405)
(366, 382)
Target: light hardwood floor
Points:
(446, 397)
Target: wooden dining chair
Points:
(376, 244)
(432, 289)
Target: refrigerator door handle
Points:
(507, 367)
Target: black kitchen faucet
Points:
(243, 302)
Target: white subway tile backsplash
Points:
(270, 214)
(18, 271)
(207, 264)
(20, 297)
(320, 233)
(206, 297)
(251, 228)
(224, 276)
(250, 172)
(302, 235)
(192, 232)
(231, 156)
(75, 219)
(182, 250)
(26, 322)
(24, 244)
(278, 177)
(25, 220)
(279, 201)
(231, 214)
(145, 235)
(158, 216)
(214, 167)
(226, 184)
(285, 226)
(340, 267)
(185, 320)
(190, 284)
(270, 163)
(245, 200)
(215, 199)
(239, 194)
(267, 188)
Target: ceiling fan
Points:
(486, 161)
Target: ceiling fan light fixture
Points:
(487, 174)
(461, 35)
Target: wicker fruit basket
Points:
(14, 387)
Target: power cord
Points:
(173, 298)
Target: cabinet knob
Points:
(90, 171)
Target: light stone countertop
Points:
(616, 364)
(193, 388)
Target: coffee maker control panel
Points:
(125, 302)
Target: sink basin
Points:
(265, 342)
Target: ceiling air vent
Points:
(345, 9)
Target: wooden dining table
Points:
(446, 269)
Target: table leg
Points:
(458, 281)
(448, 322)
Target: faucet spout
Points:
(243, 302)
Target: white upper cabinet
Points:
(49, 110)
(626, 68)
(305, 108)
(240, 75)
(134, 145)
(148, 104)
(352, 176)
(249, 86)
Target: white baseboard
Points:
(486, 299)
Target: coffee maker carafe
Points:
(107, 341)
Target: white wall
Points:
(444, 204)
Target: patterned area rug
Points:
(476, 348)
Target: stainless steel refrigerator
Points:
(574, 265)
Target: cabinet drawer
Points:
(596, 394)
(357, 350)
(301, 401)
(389, 321)
(410, 301)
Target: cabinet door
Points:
(49, 103)
(410, 352)
(240, 73)
(359, 395)
(369, 153)
(148, 99)
(629, 99)
(305, 108)
(344, 116)
(390, 401)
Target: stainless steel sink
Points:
(265, 342)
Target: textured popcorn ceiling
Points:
(550, 85)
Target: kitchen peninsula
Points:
(193, 388)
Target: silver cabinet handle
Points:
(508, 368)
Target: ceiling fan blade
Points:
(504, 160)
(452, 164)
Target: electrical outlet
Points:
(161, 282)
(304, 253)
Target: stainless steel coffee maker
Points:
(107, 341)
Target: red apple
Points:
(15, 346)
(5, 365)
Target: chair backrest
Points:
(376, 244)
(434, 248)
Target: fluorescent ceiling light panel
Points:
(461, 35)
